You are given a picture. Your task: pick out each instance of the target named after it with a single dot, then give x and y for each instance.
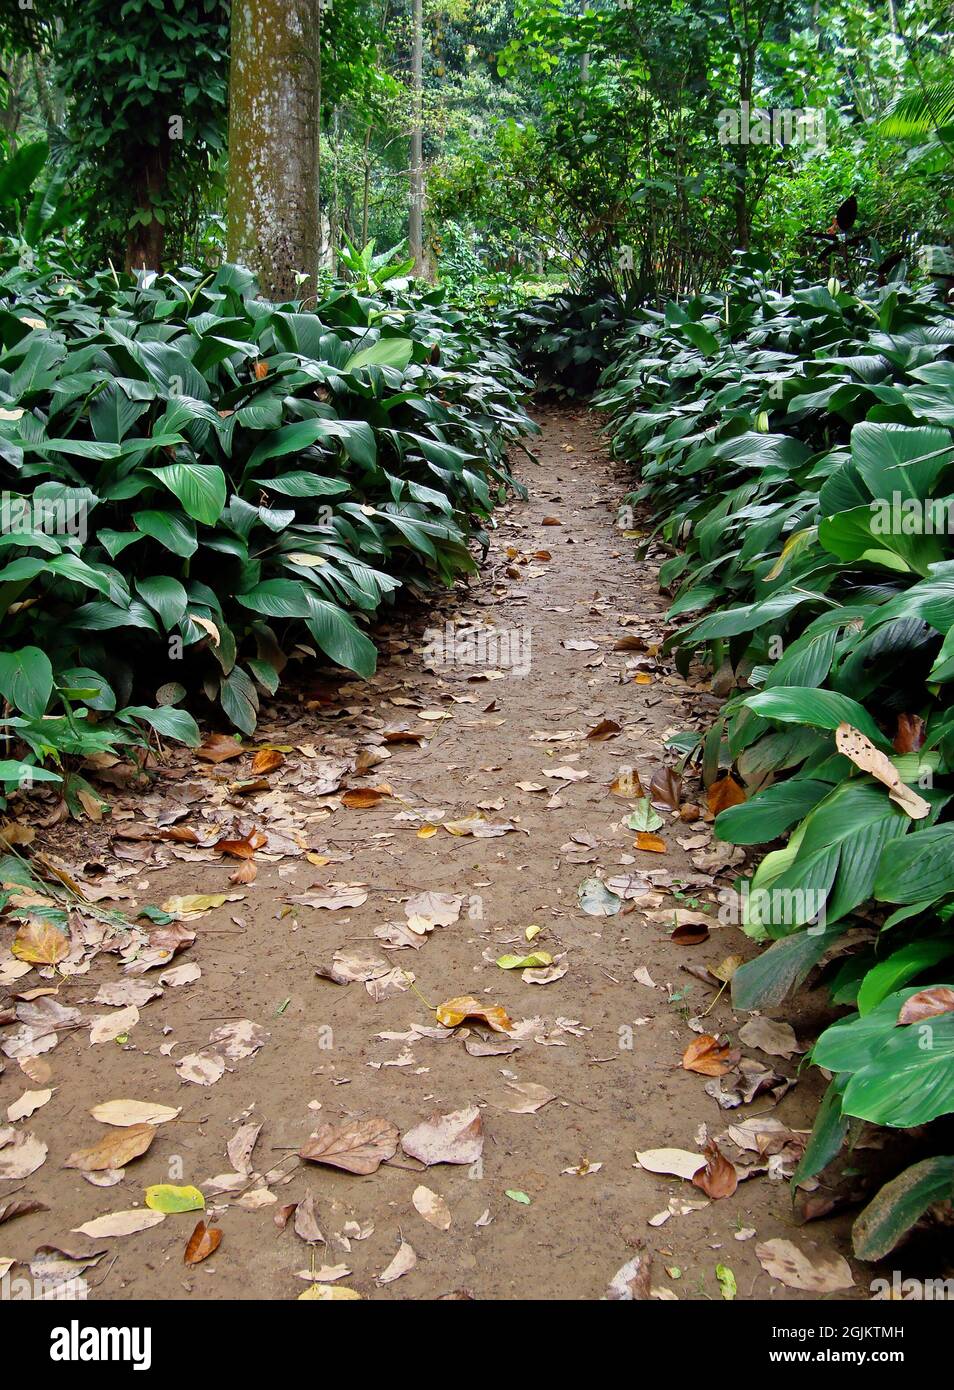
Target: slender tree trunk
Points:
(415, 230)
(274, 104)
(146, 242)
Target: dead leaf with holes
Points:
(861, 751)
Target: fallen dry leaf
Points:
(114, 1150)
(454, 1011)
(432, 1207)
(782, 1260)
(359, 1146)
(723, 793)
(454, 1138)
(403, 1262)
(706, 1055)
(718, 1178)
(203, 1242)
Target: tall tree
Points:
(415, 229)
(274, 103)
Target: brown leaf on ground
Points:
(114, 1150)
(649, 843)
(203, 1242)
(362, 798)
(665, 790)
(927, 1003)
(723, 793)
(454, 1138)
(707, 1055)
(718, 1178)
(306, 1221)
(244, 846)
(358, 1146)
(217, 748)
(19, 1207)
(606, 728)
(791, 1266)
(267, 760)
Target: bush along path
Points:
(798, 452)
(421, 988)
(199, 488)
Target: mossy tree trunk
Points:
(274, 103)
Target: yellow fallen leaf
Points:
(427, 830)
(532, 932)
(654, 844)
(327, 1293)
(454, 1011)
(40, 943)
(166, 1198)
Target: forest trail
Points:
(605, 1045)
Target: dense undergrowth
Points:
(198, 484)
(798, 450)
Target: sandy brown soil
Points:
(613, 1064)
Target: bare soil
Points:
(613, 1064)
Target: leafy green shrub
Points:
(563, 343)
(800, 447)
(228, 479)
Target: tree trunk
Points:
(415, 222)
(146, 243)
(274, 104)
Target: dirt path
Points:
(607, 1046)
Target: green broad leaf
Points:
(700, 337)
(386, 352)
(300, 484)
(169, 529)
(821, 709)
(900, 967)
(167, 721)
(900, 1204)
(200, 487)
(166, 596)
(26, 680)
(21, 774)
(769, 813)
(900, 1076)
(338, 636)
(917, 868)
(277, 598)
(239, 699)
(763, 983)
(829, 1133)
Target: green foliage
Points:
(798, 447)
(229, 480)
(564, 342)
(146, 83)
